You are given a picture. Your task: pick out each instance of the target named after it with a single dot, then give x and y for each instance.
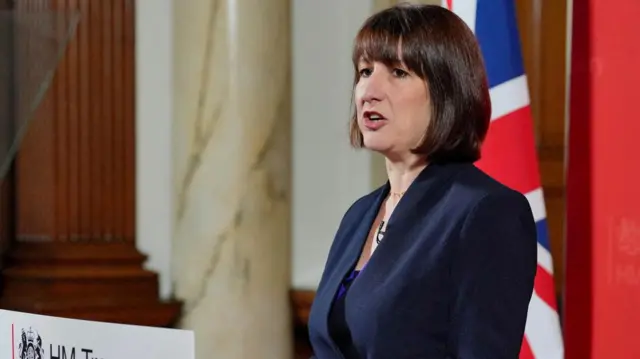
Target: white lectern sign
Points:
(29, 336)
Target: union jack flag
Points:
(509, 154)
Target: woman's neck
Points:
(402, 173)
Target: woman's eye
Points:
(365, 72)
(399, 73)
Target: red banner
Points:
(602, 299)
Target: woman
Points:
(440, 261)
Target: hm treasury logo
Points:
(30, 345)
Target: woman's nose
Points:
(374, 87)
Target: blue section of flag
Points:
(497, 33)
(543, 234)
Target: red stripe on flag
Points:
(509, 152)
(544, 287)
(525, 350)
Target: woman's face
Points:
(392, 108)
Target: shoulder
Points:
(488, 210)
(483, 193)
(498, 217)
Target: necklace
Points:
(380, 234)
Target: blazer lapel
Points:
(427, 183)
(350, 258)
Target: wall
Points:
(154, 208)
(327, 174)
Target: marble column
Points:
(232, 119)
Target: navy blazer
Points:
(452, 277)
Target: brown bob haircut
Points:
(437, 45)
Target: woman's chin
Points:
(376, 146)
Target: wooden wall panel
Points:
(77, 161)
(543, 34)
(6, 123)
(74, 252)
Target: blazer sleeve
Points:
(493, 274)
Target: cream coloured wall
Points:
(154, 94)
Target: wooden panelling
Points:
(77, 159)
(543, 34)
(74, 252)
(301, 303)
(6, 123)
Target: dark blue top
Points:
(338, 327)
(452, 277)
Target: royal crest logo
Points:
(30, 345)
